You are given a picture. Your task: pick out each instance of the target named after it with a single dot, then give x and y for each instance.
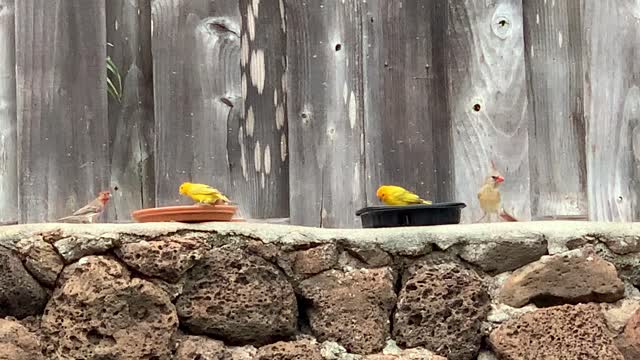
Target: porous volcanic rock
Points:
(442, 307)
(17, 343)
(629, 341)
(20, 294)
(563, 332)
(290, 350)
(351, 308)
(41, 260)
(302, 264)
(576, 276)
(238, 297)
(627, 265)
(167, 258)
(497, 257)
(191, 347)
(100, 311)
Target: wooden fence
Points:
(300, 109)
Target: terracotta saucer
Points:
(186, 213)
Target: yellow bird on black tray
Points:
(396, 195)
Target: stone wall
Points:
(536, 290)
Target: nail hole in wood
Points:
(476, 107)
(115, 188)
(338, 47)
(502, 23)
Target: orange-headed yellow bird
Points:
(489, 194)
(396, 195)
(202, 193)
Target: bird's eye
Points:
(494, 177)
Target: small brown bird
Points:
(489, 194)
(90, 212)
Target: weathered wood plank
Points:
(553, 53)
(488, 101)
(261, 167)
(8, 122)
(61, 106)
(612, 109)
(131, 121)
(196, 57)
(325, 106)
(407, 123)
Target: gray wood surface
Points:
(553, 55)
(407, 124)
(612, 108)
(196, 57)
(325, 106)
(131, 120)
(61, 106)
(8, 122)
(488, 101)
(261, 168)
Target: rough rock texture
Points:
(564, 332)
(20, 294)
(573, 277)
(627, 265)
(441, 307)
(238, 297)
(41, 260)
(203, 348)
(629, 341)
(17, 343)
(290, 350)
(302, 264)
(165, 258)
(99, 311)
(497, 257)
(351, 308)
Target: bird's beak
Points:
(500, 179)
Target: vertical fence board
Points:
(196, 69)
(8, 122)
(62, 106)
(407, 124)
(488, 101)
(325, 106)
(553, 52)
(263, 171)
(612, 109)
(131, 121)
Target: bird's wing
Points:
(91, 208)
(203, 190)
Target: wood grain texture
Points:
(8, 122)
(553, 56)
(196, 58)
(131, 120)
(488, 101)
(61, 106)
(325, 106)
(612, 108)
(407, 124)
(261, 167)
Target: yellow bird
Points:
(202, 193)
(396, 195)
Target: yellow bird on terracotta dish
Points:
(202, 193)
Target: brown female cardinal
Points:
(90, 212)
(489, 196)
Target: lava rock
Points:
(290, 350)
(442, 307)
(20, 294)
(167, 258)
(41, 260)
(203, 348)
(629, 342)
(497, 257)
(302, 264)
(100, 311)
(576, 276)
(17, 342)
(563, 332)
(238, 297)
(351, 308)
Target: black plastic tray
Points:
(411, 215)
